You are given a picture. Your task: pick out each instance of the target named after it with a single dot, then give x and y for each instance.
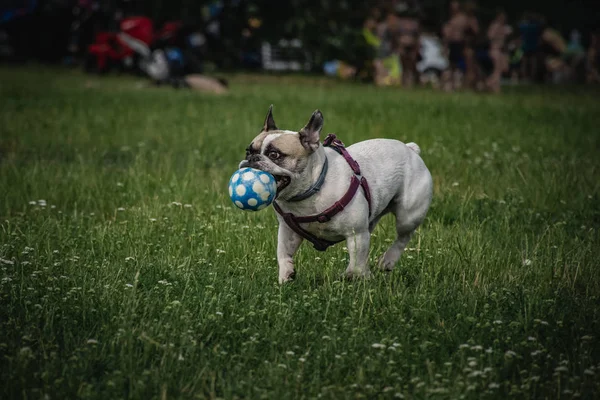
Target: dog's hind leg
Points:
(392, 255)
(405, 227)
(410, 211)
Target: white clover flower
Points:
(121, 209)
(302, 359)
(152, 219)
(290, 353)
(219, 313)
(378, 346)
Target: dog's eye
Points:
(274, 155)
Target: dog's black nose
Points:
(253, 158)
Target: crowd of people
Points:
(478, 57)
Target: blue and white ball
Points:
(252, 189)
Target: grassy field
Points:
(126, 272)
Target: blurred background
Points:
(447, 44)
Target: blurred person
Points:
(388, 68)
(164, 69)
(553, 47)
(433, 62)
(495, 50)
(370, 28)
(575, 57)
(471, 40)
(408, 42)
(367, 47)
(530, 29)
(455, 32)
(515, 56)
(593, 58)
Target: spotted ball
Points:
(252, 189)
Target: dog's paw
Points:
(351, 274)
(385, 264)
(287, 277)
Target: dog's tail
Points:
(414, 147)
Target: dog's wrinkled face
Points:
(284, 154)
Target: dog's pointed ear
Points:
(310, 134)
(269, 121)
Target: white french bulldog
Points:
(311, 178)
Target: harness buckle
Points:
(323, 218)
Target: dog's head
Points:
(284, 154)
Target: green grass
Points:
(137, 278)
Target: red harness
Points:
(356, 181)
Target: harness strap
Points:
(336, 208)
(356, 181)
(291, 220)
(336, 144)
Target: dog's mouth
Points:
(282, 182)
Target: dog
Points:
(327, 193)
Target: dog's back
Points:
(395, 172)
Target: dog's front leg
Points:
(358, 249)
(288, 242)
